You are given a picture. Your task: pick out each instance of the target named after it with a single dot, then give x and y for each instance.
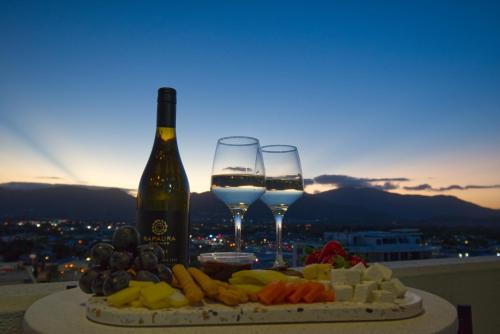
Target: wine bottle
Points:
(163, 194)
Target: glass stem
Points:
(237, 230)
(279, 262)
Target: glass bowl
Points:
(221, 265)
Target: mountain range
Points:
(363, 206)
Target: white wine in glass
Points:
(238, 177)
(284, 185)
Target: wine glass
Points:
(284, 185)
(238, 177)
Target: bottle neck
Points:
(165, 115)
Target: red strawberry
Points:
(328, 259)
(313, 257)
(331, 248)
(355, 259)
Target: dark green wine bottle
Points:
(163, 195)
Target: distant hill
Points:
(39, 201)
(344, 205)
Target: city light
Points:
(460, 255)
(466, 254)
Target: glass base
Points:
(279, 263)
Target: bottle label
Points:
(168, 229)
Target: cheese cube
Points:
(326, 284)
(136, 303)
(177, 299)
(343, 293)
(382, 296)
(359, 267)
(386, 271)
(317, 271)
(164, 303)
(377, 273)
(324, 271)
(156, 292)
(395, 286)
(362, 291)
(124, 296)
(345, 276)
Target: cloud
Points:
(386, 186)
(424, 186)
(341, 181)
(428, 187)
(385, 183)
(49, 177)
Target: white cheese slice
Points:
(363, 290)
(377, 273)
(395, 286)
(386, 271)
(382, 296)
(359, 267)
(343, 292)
(345, 276)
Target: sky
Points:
(399, 95)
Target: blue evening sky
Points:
(363, 88)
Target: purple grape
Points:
(120, 260)
(164, 273)
(126, 238)
(85, 281)
(98, 282)
(117, 281)
(146, 276)
(155, 248)
(146, 261)
(100, 253)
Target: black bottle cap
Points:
(167, 94)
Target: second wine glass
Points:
(284, 185)
(238, 177)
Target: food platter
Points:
(214, 313)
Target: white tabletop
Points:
(65, 311)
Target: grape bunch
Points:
(114, 265)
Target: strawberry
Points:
(328, 259)
(332, 248)
(355, 259)
(313, 257)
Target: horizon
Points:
(400, 97)
(133, 192)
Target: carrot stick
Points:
(299, 293)
(329, 296)
(289, 289)
(315, 293)
(269, 293)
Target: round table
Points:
(64, 312)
